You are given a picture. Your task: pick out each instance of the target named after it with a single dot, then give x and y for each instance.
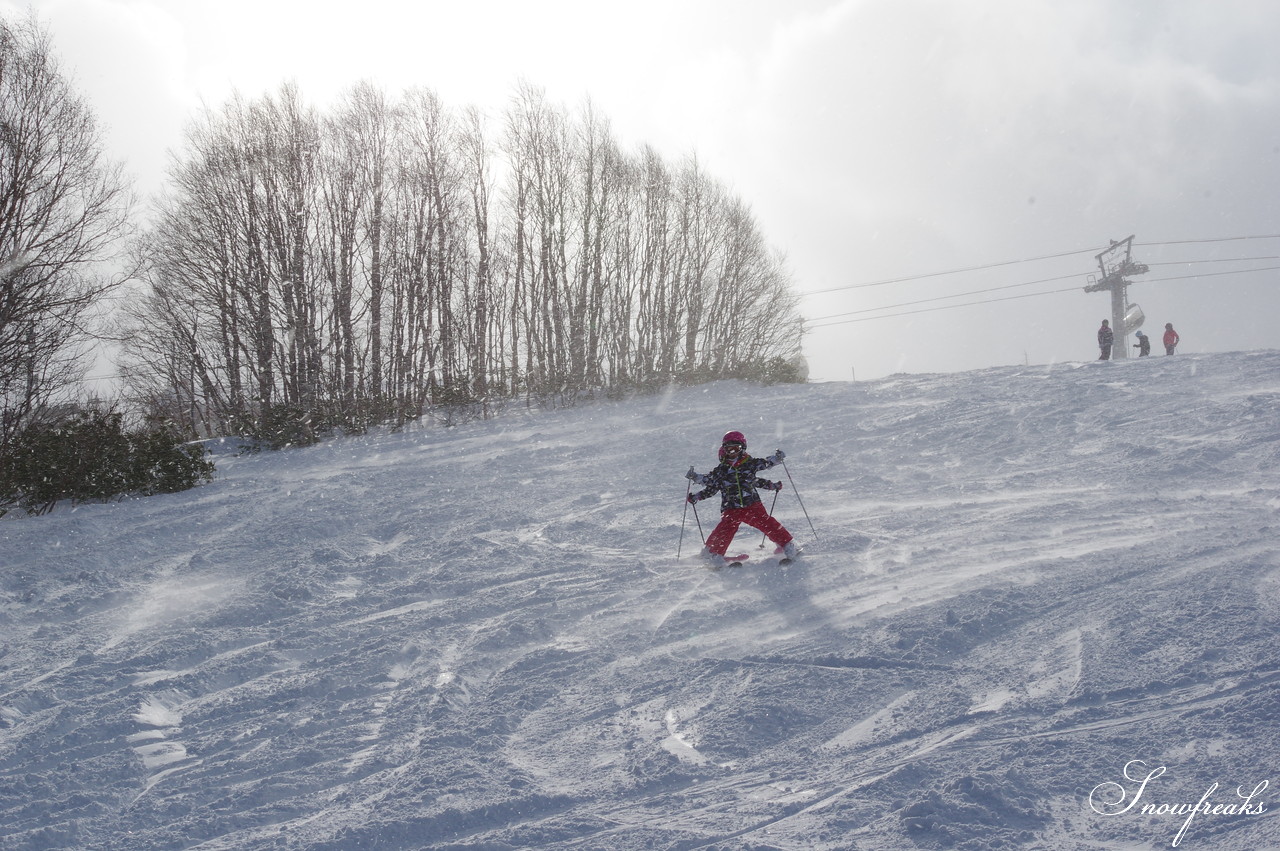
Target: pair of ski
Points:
(739, 560)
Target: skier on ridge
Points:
(1106, 337)
(735, 479)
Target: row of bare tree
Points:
(369, 262)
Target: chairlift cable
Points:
(826, 324)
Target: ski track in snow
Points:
(480, 637)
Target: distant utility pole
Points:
(1117, 262)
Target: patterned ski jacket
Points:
(736, 482)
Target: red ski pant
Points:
(753, 515)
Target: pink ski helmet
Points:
(734, 439)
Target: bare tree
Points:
(475, 157)
(352, 237)
(657, 298)
(288, 133)
(63, 211)
(701, 226)
(229, 270)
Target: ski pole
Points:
(802, 508)
(763, 535)
(683, 517)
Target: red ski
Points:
(739, 560)
(731, 561)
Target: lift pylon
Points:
(1116, 263)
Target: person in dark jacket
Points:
(736, 481)
(1105, 338)
(1143, 345)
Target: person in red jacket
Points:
(1171, 338)
(735, 479)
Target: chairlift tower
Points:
(1116, 263)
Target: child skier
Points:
(735, 479)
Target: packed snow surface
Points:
(1037, 609)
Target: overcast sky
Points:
(875, 140)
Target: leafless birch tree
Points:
(64, 210)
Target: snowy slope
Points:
(1023, 580)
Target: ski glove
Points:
(691, 476)
(771, 486)
(776, 457)
(692, 498)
